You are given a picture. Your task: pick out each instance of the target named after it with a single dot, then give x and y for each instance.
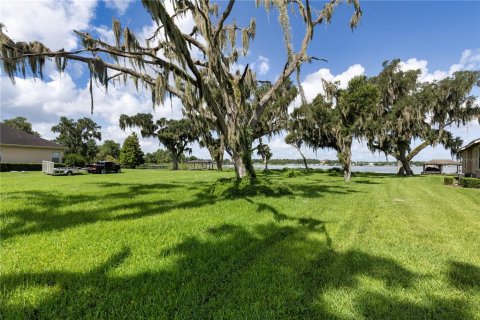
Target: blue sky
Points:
(438, 37)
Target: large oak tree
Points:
(410, 109)
(336, 119)
(166, 66)
(78, 137)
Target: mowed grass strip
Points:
(160, 245)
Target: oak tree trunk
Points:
(347, 172)
(219, 163)
(303, 157)
(175, 158)
(243, 164)
(345, 157)
(417, 150)
(217, 157)
(404, 163)
(240, 145)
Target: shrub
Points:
(448, 181)
(110, 158)
(335, 170)
(470, 182)
(8, 166)
(74, 160)
(289, 173)
(233, 188)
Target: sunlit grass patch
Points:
(163, 244)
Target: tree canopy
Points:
(410, 110)
(159, 156)
(131, 154)
(78, 136)
(166, 65)
(334, 120)
(109, 148)
(175, 135)
(22, 124)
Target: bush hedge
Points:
(448, 181)
(74, 160)
(234, 188)
(470, 182)
(11, 166)
(8, 166)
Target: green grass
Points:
(162, 244)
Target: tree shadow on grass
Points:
(365, 182)
(377, 306)
(269, 272)
(464, 276)
(48, 211)
(318, 189)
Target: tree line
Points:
(230, 111)
(81, 141)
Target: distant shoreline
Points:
(372, 168)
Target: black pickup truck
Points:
(103, 167)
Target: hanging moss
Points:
(245, 42)
(60, 62)
(285, 23)
(99, 71)
(232, 35)
(117, 31)
(130, 41)
(214, 9)
(253, 28)
(160, 89)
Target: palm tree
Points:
(295, 140)
(264, 151)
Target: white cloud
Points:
(43, 103)
(52, 22)
(262, 65)
(105, 34)
(120, 6)
(425, 76)
(470, 60)
(49, 21)
(351, 72)
(312, 85)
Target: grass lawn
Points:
(160, 244)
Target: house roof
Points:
(444, 162)
(471, 144)
(12, 136)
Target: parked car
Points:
(103, 167)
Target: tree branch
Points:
(224, 17)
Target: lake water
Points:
(375, 169)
